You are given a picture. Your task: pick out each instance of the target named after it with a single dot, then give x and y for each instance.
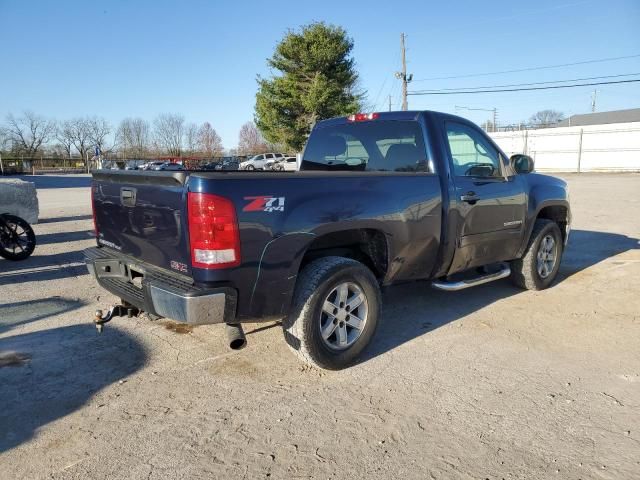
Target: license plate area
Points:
(120, 270)
(135, 275)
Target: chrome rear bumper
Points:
(160, 292)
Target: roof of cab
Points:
(400, 115)
(397, 115)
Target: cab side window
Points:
(471, 154)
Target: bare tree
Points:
(99, 130)
(191, 138)
(546, 118)
(133, 137)
(250, 140)
(76, 132)
(4, 139)
(29, 133)
(168, 132)
(64, 139)
(58, 150)
(209, 142)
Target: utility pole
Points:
(594, 96)
(389, 102)
(403, 74)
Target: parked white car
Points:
(286, 164)
(151, 165)
(168, 166)
(258, 162)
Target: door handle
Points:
(470, 197)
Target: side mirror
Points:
(521, 163)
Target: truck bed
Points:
(279, 215)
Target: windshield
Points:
(386, 146)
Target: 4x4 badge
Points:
(265, 203)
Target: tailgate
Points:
(143, 214)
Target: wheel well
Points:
(558, 214)
(365, 245)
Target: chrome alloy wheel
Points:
(547, 256)
(343, 316)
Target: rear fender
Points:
(280, 263)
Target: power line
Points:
(528, 84)
(585, 62)
(375, 103)
(494, 110)
(522, 89)
(393, 91)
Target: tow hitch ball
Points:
(114, 311)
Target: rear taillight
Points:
(213, 231)
(362, 117)
(93, 209)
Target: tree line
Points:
(315, 78)
(169, 134)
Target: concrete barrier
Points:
(20, 198)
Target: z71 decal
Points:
(265, 203)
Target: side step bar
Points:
(472, 282)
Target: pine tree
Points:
(317, 80)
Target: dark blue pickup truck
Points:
(380, 198)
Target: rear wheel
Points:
(335, 312)
(17, 240)
(539, 266)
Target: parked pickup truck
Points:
(381, 198)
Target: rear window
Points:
(381, 146)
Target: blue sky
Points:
(200, 58)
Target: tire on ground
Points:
(524, 272)
(302, 325)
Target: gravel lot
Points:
(490, 382)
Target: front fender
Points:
(544, 191)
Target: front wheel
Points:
(250, 167)
(17, 240)
(539, 266)
(335, 312)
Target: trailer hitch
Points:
(115, 311)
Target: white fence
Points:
(592, 148)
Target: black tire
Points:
(302, 326)
(250, 167)
(524, 271)
(17, 240)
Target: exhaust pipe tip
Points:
(235, 336)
